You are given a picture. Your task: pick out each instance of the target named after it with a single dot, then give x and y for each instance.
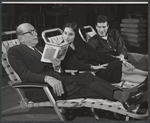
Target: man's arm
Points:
(27, 75)
(122, 50)
(93, 42)
(98, 55)
(20, 67)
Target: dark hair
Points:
(102, 19)
(71, 25)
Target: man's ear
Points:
(21, 39)
(108, 25)
(95, 26)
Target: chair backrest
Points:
(5, 62)
(54, 38)
(39, 19)
(24, 18)
(86, 32)
(13, 76)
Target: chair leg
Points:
(127, 118)
(56, 108)
(12, 109)
(95, 115)
(21, 105)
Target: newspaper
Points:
(55, 48)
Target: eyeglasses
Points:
(32, 32)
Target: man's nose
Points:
(67, 36)
(101, 29)
(35, 33)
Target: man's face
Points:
(29, 36)
(102, 28)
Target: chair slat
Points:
(56, 39)
(5, 47)
(10, 43)
(9, 70)
(13, 42)
(17, 41)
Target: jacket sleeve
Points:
(92, 42)
(121, 45)
(17, 63)
(99, 56)
(71, 61)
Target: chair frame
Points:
(91, 33)
(58, 105)
(17, 84)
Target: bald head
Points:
(27, 34)
(22, 28)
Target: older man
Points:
(110, 41)
(25, 60)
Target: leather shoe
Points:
(132, 102)
(143, 108)
(143, 86)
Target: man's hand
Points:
(104, 66)
(121, 57)
(129, 66)
(55, 84)
(56, 64)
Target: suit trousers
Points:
(83, 85)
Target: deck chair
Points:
(86, 32)
(58, 105)
(16, 83)
(116, 107)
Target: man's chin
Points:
(102, 35)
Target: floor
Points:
(10, 99)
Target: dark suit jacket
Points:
(28, 66)
(83, 56)
(26, 63)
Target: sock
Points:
(143, 108)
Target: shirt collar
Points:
(106, 37)
(31, 47)
(110, 33)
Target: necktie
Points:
(35, 49)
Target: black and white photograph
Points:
(74, 61)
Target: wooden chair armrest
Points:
(79, 71)
(26, 85)
(70, 71)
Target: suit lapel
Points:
(30, 51)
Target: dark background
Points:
(83, 14)
(56, 15)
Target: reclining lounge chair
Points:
(58, 105)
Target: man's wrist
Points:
(46, 79)
(92, 67)
(121, 55)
